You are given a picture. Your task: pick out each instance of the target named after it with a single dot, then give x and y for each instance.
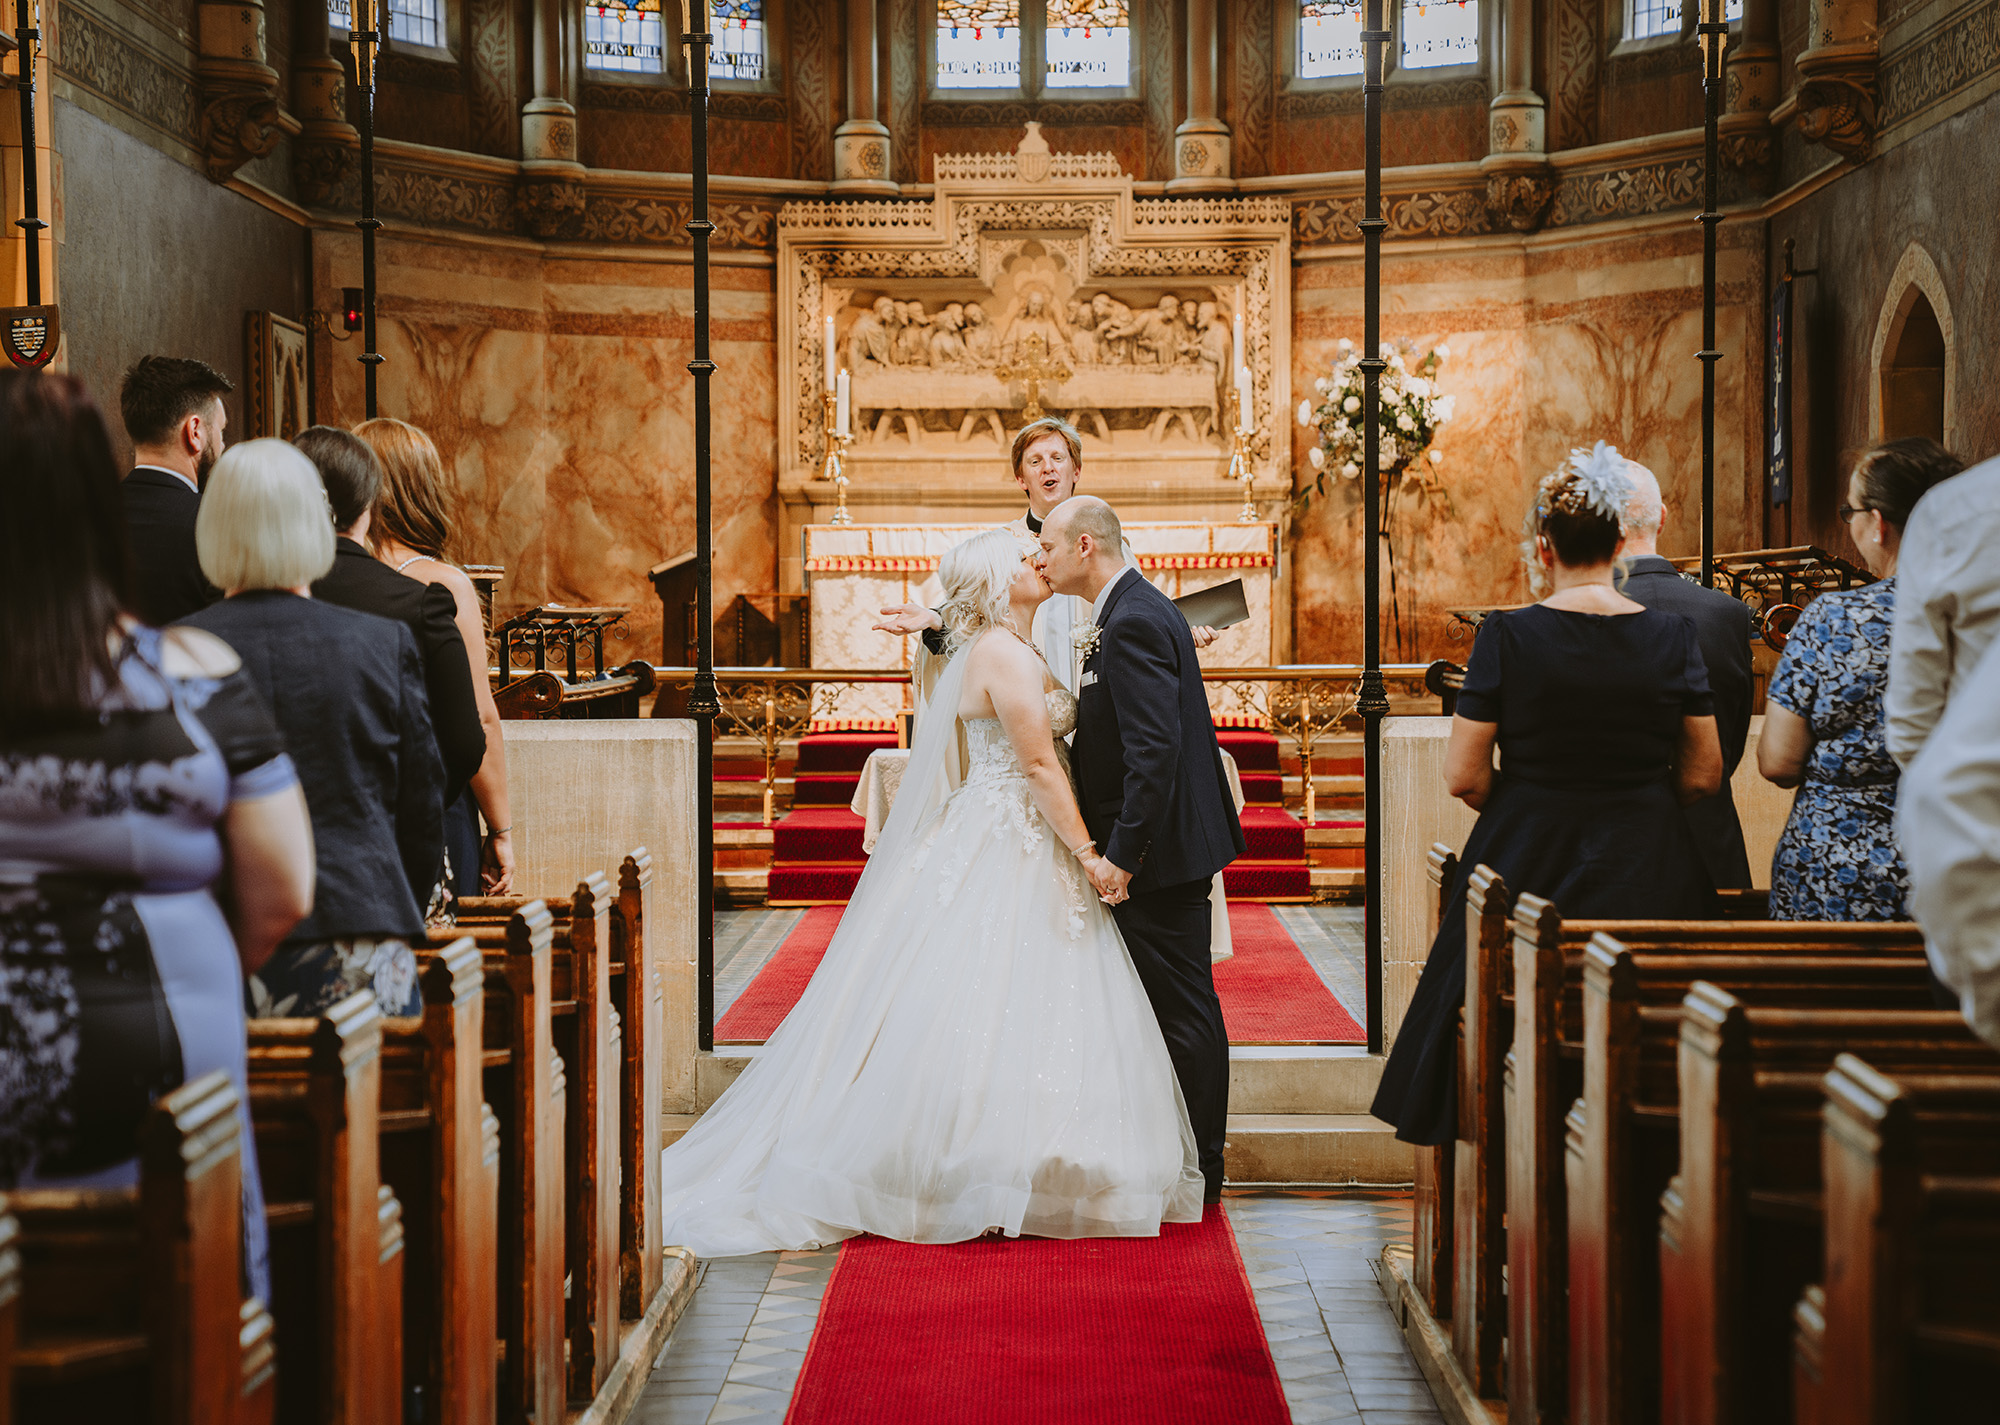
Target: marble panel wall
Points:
(1555, 342)
(557, 390)
(1321, 131)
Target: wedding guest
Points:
(1823, 722)
(1949, 609)
(413, 532)
(358, 580)
(143, 787)
(173, 412)
(1722, 626)
(347, 691)
(1947, 821)
(1606, 727)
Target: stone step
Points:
(1302, 1078)
(1316, 1148)
(739, 886)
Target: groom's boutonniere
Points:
(1084, 638)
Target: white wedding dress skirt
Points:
(975, 1051)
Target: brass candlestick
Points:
(1242, 467)
(835, 468)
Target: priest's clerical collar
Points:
(1034, 525)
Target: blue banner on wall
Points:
(1779, 456)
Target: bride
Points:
(975, 1051)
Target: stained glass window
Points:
(627, 38)
(978, 44)
(739, 39)
(1088, 43)
(1437, 34)
(1329, 38)
(417, 22)
(1663, 17)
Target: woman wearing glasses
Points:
(1823, 724)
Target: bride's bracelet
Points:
(1077, 851)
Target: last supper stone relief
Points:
(937, 363)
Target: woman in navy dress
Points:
(1606, 728)
(140, 776)
(1824, 731)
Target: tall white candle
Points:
(1243, 398)
(829, 353)
(1242, 356)
(840, 408)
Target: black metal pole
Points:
(703, 705)
(366, 43)
(1712, 35)
(27, 39)
(1374, 701)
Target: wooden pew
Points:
(1740, 1230)
(1479, 1246)
(336, 1229)
(1622, 1135)
(10, 1307)
(525, 1086)
(440, 1151)
(130, 1304)
(587, 1031)
(1906, 1327)
(641, 993)
(1432, 1206)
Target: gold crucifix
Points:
(1033, 369)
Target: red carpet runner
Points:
(1145, 1330)
(1270, 995)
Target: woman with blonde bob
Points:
(347, 691)
(414, 532)
(975, 1052)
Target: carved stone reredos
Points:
(1024, 236)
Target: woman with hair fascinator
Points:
(1602, 712)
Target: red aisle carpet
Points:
(1270, 995)
(1106, 1331)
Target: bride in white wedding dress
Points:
(975, 1051)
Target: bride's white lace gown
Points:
(975, 1051)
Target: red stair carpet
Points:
(1270, 995)
(1273, 865)
(1105, 1331)
(816, 852)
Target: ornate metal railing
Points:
(1305, 702)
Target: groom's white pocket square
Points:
(1086, 680)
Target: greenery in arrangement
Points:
(1412, 412)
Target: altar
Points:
(854, 571)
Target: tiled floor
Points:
(1330, 936)
(737, 1353)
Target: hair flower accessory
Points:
(1601, 480)
(1084, 639)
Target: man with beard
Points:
(173, 412)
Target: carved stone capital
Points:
(321, 167)
(861, 158)
(1516, 123)
(550, 205)
(241, 118)
(1201, 157)
(1519, 190)
(1836, 98)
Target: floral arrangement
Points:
(1412, 411)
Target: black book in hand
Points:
(1217, 607)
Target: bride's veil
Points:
(936, 767)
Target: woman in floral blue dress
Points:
(1823, 723)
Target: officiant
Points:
(1048, 460)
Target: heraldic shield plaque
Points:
(30, 334)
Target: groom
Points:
(1154, 796)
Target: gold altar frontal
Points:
(854, 571)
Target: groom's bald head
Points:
(1081, 515)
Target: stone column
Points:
(323, 153)
(549, 197)
(240, 115)
(861, 144)
(1519, 183)
(1750, 91)
(1201, 143)
(1836, 91)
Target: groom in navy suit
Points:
(1154, 796)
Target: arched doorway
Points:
(1913, 376)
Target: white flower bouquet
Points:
(1412, 412)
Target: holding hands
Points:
(1112, 883)
(907, 618)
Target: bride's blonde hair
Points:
(976, 573)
